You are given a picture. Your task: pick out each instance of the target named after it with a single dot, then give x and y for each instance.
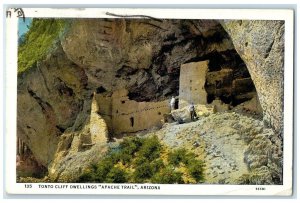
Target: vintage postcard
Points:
(149, 101)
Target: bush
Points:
(120, 156)
(145, 169)
(87, 177)
(113, 157)
(130, 145)
(156, 165)
(195, 167)
(142, 162)
(168, 176)
(103, 169)
(177, 156)
(125, 158)
(196, 170)
(189, 158)
(116, 175)
(139, 161)
(150, 148)
(142, 172)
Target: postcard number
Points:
(28, 186)
(260, 188)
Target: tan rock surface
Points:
(76, 151)
(261, 45)
(231, 145)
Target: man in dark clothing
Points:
(192, 111)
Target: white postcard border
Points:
(164, 189)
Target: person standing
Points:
(172, 103)
(192, 111)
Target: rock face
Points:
(261, 45)
(182, 115)
(77, 150)
(144, 56)
(236, 149)
(50, 98)
(28, 167)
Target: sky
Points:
(23, 26)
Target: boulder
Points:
(183, 114)
(220, 106)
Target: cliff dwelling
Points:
(206, 83)
(114, 77)
(123, 115)
(203, 82)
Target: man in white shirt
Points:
(172, 103)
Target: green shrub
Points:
(157, 165)
(150, 148)
(195, 167)
(196, 170)
(120, 156)
(38, 41)
(139, 161)
(143, 172)
(167, 176)
(142, 162)
(177, 156)
(87, 177)
(189, 158)
(144, 169)
(130, 145)
(125, 158)
(103, 169)
(116, 175)
(113, 157)
(94, 167)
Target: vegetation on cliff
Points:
(37, 42)
(146, 160)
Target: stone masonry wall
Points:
(123, 115)
(192, 81)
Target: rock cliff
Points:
(261, 46)
(50, 99)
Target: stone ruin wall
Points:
(201, 86)
(123, 115)
(222, 84)
(191, 83)
(105, 109)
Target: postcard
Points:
(149, 101)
